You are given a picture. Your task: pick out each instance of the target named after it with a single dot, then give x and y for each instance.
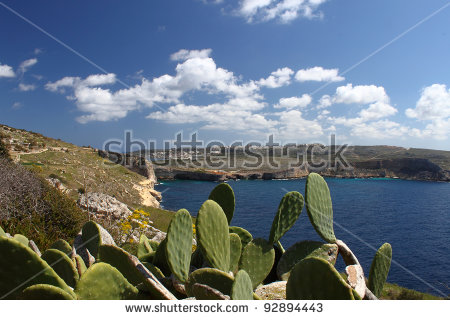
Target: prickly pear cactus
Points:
(160, 258)
(22, 239)
(121, 260)
(245, 236)
(205, 292)
(153, 269)
(63, 265)
(93, 236)
(317, 279)
(242, 288)
(257, 260)
(62, 245)
(2, 233)
(179, 244)
(235, 251)
(319, 206)
(14, 277)
(45, 292)
(213, 235)
(379, 269)
(79, 264)
(224, 196)
(288, 212)
(302, 250)
(104, 282)
(214, 278)
(144, 247)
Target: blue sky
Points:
(229, 70)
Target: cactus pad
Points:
(223, 195)
(214, 278)
(79, 264)
(22, 239)
(179, 244)
(14, 277)
(302, 250)
(2, 233)
(379, 269)
(288, 212)
(144, 247)
(213, 235)
(104, 282)
(242, 288)
(257, 259)
(63, 266)
(93, 236)
(245, 236)
(319, 206)
(45, 292)
(317, 279)
(62, 245)
(235, 251)
(160, 258)
(205, 292)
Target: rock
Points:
(103, 205)
(57, 184)
(272, 291)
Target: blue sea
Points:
(413, 216)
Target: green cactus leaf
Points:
(288, 212)
(257, 259)
(319, 206)
(205, 292)
(379, 269)
(144, 247)
(235, 251)
(104, 282)
(45, 292)
(148, 257)
(316, 279)
(245, 236)
(242, 288)
(213, 235)
(179, 244)
(62, 245)
(15, 278)
(79, 264)
(160, 258)
(22, 239)
(93, 235)
(302, 250)
(153, 269)
(224, 196)
(2, 233)
(62, 265)
(122, 261)
(272, 276)
(214, 278)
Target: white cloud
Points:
(17, 105)
(294, 102)
(318, 74)
(6, 71)
(25, 65)
(325, 102)
(26, 87)
(294, 127)
(184, 54)
(360, 94)
(284, 11)
(377, 110)
(434, 103)
(279, 78)
(383, 129)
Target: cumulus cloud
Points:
(294, 126)
(283, 11)
(184, 54)
(25, 65)
(294, 102)
(318, 74)
(279, 78)
(6, 71)
(434, 103)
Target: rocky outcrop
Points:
(134, 162)
(103, 205)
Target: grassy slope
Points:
(76, 167)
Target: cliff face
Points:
(406, 168)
